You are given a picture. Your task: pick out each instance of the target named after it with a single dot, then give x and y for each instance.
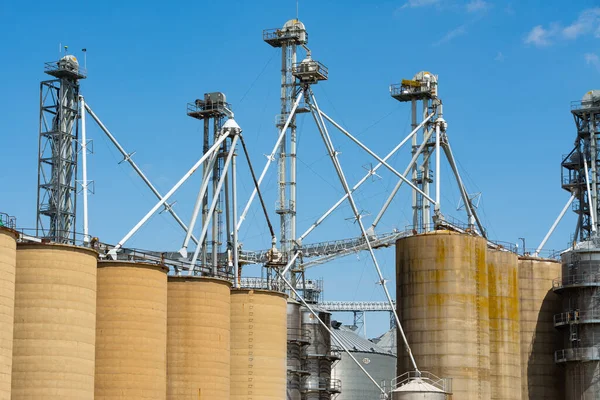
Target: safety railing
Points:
(262, 284)
(298, 335)
(444, 384)
(577, 354)
(55, 68)
(585, 104)
(276, 34)
(221, 108)
(576, 280)
(311, 384)
(577, 317)
(8, 221)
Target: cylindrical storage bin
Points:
(258, 345)
(8, 261)
(297, 339)
(541, 377)
(198, 338)
(442, 299)
(505, 329)
(131, 331)
(55, 322)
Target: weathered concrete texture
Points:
(258, 345)
(505, 329)
(198, 336)
(131, 331)
(541, 377)
(55, 322)
(8, 260)
(442, 298)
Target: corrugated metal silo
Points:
(505, 329)
(55, 321)
(380, 364)
(442, 298)
(198, 335)
(297, 339)
(8, 260)
(541, 378)
(131, 331)
(258, 345)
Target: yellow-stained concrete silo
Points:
(55, 322)
(131, 331)
(541, 377)
(258, 345)
(198, 338)
(442, 299)
(8, 260)
(505, 330)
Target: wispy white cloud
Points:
(539, 36)
(587, 23)
(420, 3)
(477, 5)
(450, 35)
(499, 57)
(593, 60)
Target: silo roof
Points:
(418, 385)
(354, 342)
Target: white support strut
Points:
(333, 155)
(113, 252)
(270, 158)
(554, 225)
(127, 157)
(364, 179)
(84, 183)
(589, 192)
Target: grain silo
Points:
(297, 340)
(198, 336)
(131, 331)
(8, 260)
(258, 344)
(505, 330)
(55, 322)
(541, 378)
(379, 363)
(442, 299)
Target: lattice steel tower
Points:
(288, 38)
(57, 161)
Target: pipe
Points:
(589, 192)
(554, 225)
(86, 235)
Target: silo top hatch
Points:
(293, 32)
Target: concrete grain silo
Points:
(442, 300)
(258, 345)
(198, 338)
(541, 378)
(505, 329)
(131, 331)
(8, 261)
(55, 322)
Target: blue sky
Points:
(508, 72)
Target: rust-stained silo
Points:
(258, 345)
(442, 298)
(8, 260)
(55, 322)
(541, 377)
(505, 329)
(198, 336)
(131, 331)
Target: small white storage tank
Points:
(418, 389)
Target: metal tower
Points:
(580, 167)
(579, 286)
(213, 110)
(288, 38)
(57, 160)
